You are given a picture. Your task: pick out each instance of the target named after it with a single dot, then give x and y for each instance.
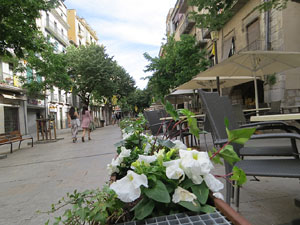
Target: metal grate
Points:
(183, 218)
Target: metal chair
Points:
(215, 112)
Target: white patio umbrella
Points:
(255, 64)
(211, 83)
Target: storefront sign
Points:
(52, 108)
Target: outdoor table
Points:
(254, 110)
(183, 117)
(290, 108)
(276, 117)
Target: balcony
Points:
(51, 28)
(54, 97)
(56, 14)
(187, 25)
(69, 100)
(254, 46)
(61, 99)
(200, 39)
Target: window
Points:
(55, 25)
(253, 35)
(29, 75)
(79, 42)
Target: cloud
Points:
(127, 28)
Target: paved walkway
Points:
(32, 179)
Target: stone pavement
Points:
(32, 179)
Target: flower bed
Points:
(156, 176)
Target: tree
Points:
(181, 61)
(18, 26)
(90, 69)
(50, 69)
(136, 101)
(214, 14)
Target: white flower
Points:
(128, 188)
(147, 159)
(127, 135)
(213, 183)
(195, 164)
(173, 170)
(181, 194)
(179, 145)
(124, 152)
(218, 195)
(147, 148)
(113, 166)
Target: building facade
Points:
(247, 30)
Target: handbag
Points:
(91, 126)
(78, 122)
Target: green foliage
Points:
(214, 14)
(171, 110)
(144, 208)
(229, 154)
(51, 67)
(181, 61)
(19, 31)
(239, 136)
(94, 72)
(99, 207)
(239, 176)
(158, 193)
(138, 98)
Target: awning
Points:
(13, 97)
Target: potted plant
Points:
(154, 176)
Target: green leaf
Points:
(165, 143)
(229, 154)
(120, 143)
(238, 175)
(144, 208)
(187, 183)
(193, 127)
(158, 193)
(216, 159)
(240, 136)
(201, 191)
(193, 206)
(208, 209)
(170, 109)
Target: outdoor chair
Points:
(154, 122)
(287, 150)
(287, 168)
(239, 114)
(275, 108)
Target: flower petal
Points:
(125, 190)
(136, 179)
(147, 158)
(179, 145)
(124, 152)
(181, 194)
(218, 195)
(213, 183)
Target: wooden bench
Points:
(12, 137)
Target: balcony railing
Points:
(61, 98)
(200, 39)
(57, 33)
(254, 46)
(54, 97)
(187, 25)
(69, 100)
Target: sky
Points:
(128, 29)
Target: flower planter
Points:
(224, 215)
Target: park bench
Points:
(12, 137)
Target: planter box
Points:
(223, 216)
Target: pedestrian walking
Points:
(73, 123)
(118, 118)
(85, 122)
